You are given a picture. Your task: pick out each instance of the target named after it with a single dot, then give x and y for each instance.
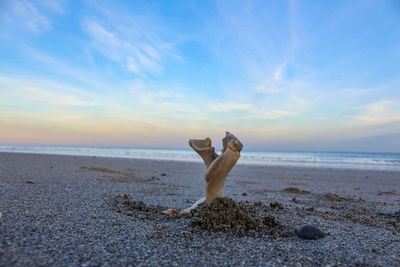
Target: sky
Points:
(280, 75)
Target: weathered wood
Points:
(218, 167)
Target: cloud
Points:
(132, 45)
(226, 107)
(132, 101)
(89, 77)
(249, 111)
(38, 111)
(380, 112)
(36, 92)
(51, 111)
(32, 15)
(278, 73)
(269, 114)
(265, 54)
(52, 98)
(57, 6)
(281, 85)
(29, 14)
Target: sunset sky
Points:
(281, 75)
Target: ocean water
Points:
(341, 160)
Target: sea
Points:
(334, 160)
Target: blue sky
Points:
(282, 75)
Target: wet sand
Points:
(62, 210)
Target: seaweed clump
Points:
(227, 215)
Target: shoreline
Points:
(56, 209)
(196, 159)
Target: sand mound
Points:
(224, 214)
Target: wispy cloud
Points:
(249, 111)
(32, 15)
(226, 107)
(380, 112)
(28, 13)
(271, 114)
(91, 78)
(44, 92)
(265, 58)
(57, 6)
(277, 85)
(133, 46)
(135, 114)
(133, 101)
(21, 16)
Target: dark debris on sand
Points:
(227, 215)
(294, 190)
(222, 214)
(126, 205)
(138, 210)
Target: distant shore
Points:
(58, 210)
(312, 159)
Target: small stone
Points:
(163, 174)
(310, 232)
(244, 194)
(186, 234)
(276, 205)
(140, 206)
(258, 203)
(129, 213)
(1, 214)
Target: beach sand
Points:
(62, 210)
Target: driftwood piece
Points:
(204, 149)
(218, 166)
(221, 166)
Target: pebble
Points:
(309, 231)
(276, 205)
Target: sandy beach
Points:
(61, 210)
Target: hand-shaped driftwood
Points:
(218, 166)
